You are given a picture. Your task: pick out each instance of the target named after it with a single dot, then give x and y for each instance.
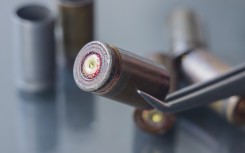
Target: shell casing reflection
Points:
(77, 26)
(153, 121)
(118, 74)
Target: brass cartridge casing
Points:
(77, 26)
(117, 74)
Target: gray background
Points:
(138, 26)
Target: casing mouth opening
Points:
(33, 13)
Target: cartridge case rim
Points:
(95, 84)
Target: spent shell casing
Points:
(111, 72)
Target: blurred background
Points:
(65, 119)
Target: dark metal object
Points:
(118, 74)
(154, 121)
(227, 85)
(77, 26)
(200, 65)
(34, 48)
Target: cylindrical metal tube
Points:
(117, 74)
(200, 65)
(34, 44)
(77, 26)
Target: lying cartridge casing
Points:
(77, 26)
(199, 65)
(117, 74)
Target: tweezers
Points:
(229, 84)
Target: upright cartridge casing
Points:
(77, 26)
(34, 47)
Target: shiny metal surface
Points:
(34, 47)
(120, 75)
(47, 125)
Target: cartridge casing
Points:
(77, 25)
(34, 47)
(119, 74)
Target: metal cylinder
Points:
(200, 65)
(117, 74)
(77, 26)
(34, 52)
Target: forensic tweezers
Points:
(226, 85)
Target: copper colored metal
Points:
(198, 64)
(77, 26)
(153, 121)
(121, 74)
(170, 63)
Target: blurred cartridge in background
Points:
(77, 26)
(34, 50)
(154, 121)
(117, 74)
(198, 64)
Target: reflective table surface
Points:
(69, 120)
